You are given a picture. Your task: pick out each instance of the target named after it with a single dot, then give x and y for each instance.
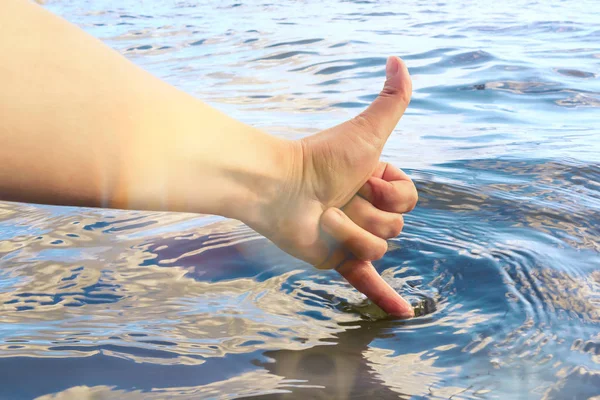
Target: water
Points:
(500, 138)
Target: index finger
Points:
(363, 276)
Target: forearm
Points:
(81, 125)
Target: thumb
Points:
(381, 117)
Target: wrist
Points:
(270, 178)
(183, 155)
(240, 173)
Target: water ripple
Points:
(501, 256)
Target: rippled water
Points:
(501, 139)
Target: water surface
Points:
(501, 139)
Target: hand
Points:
(340, 202)
(325, 199)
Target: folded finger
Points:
(396, 196)
(380, 223)
(389, 172)
(361, 243)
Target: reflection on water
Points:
(502, 253)
(189, 305)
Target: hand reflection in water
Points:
(337, 369)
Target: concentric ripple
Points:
(501, 256)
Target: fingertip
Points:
(392, 66)
(402, 68)
(398, 81)
(397, 307)
(396, 226)
(407, 315)
(377, 251)
(364, 277)
(414, 199)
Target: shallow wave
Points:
(194, 297)
(501, 255)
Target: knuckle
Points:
(402, 93)
(391, 91)
(407, 201)
(396, 226)
(373, 252)
(413, 199)
(372, 224)
(379, 250)
(368, 124)
(332, 260)
(367, 251)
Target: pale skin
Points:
(81, 125)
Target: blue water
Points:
(501, 139)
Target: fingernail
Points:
(397, 308)
(408, 314)
(391, 67)
(404, 314)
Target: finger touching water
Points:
(365, 278)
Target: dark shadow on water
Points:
(53, 375)
(333, 371)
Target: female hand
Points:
(340, 203)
